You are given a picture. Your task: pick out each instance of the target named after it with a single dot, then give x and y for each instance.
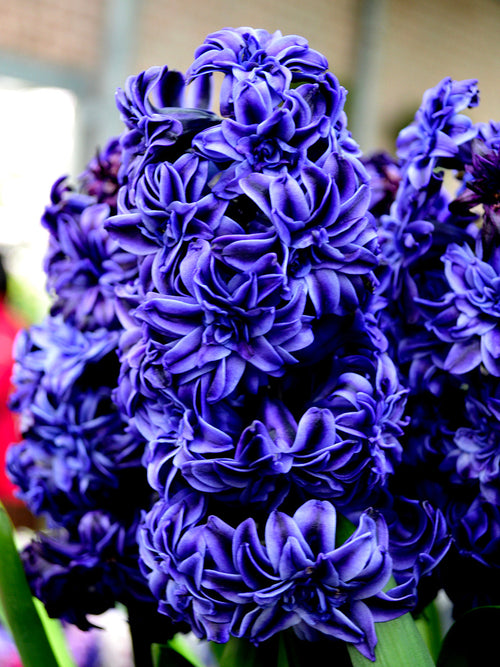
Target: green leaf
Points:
(282, 653)
(55, 635)
(345, 529)
(18, 608)
(165, 656)
(284, 649)
(429, 625)
(239, 653)
(472, 640)
(178, 652)
(242, 653)
(399, 645)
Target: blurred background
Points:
(61, 61)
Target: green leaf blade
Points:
(399, 645)
(18, 609)
(178, 652)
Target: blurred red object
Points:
(9, 430)
(10, 325)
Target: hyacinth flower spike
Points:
(263, 409)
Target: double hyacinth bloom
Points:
(342, 445)
(82, 262)
(468, 316)
(86, 570)
(79, 457)
(233, 398)
(440, 133)
(293, 575)
(440, 253)
(250, 362)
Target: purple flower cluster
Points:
(438, 303)
(252, 361)
(79, 458)
(268, 385)
(87, 569)
(439, 134)
(82, 262)
(75, 447)
(289, 574)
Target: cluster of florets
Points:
(79, 458)
(289, 342)
(252, 363)
(439, 300)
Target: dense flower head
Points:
(467, 316)
(439, 130)
(87, 570)
(75, 466)
(258, 56)
(83, 263)
(248, 364)
(257, 336)
(235, 581)
(436, 302)
(229, 283)
(78, 455)
(334, 433)
(76, 450)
